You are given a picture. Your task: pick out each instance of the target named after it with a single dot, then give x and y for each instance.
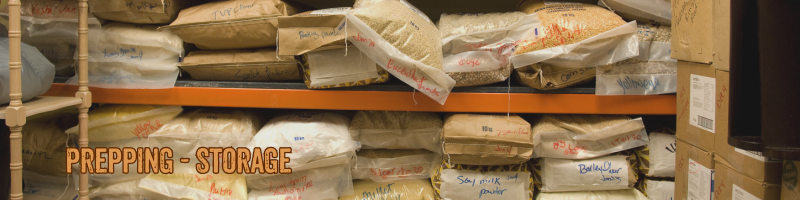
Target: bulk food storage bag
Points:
(657, 158)
(133, 57)
(128, 190)
(658, 189)
(114, 122)
(44, 143)
(586, 136)
(52, 27)
(656, 10)
(231, 24)
(627, 194)
(309, 31)
(37, 73)
(477, 47)
(502, 182)
(406, 43)
(46, 187)
(186, 183)
(614, 172)
(480, 139)
(336, 68)
(326, 180)
(652, 72)
(240, 65)
(397, 130)
(412, 189)
(382, 165)
(139, 12)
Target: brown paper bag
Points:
(309, 31)
(548, 77)
(231, 24)
(139, 11)
(240, 65)
(478, 139)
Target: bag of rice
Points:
(328, 180)
(404, 42)
(575, 35)
(112, 122)
(586, 136)
(128, 190)
(411, 189)
(186, 183)
(140, 11)
(659, 190)
(548, 77)
(45, 187)
(334, 68)
(502, 182)
(231, 24)
(481, 139)
(652, 72)
(52, 27)
(133, 57)
(657, 159)
(627, 194)
(397, 130)
(613, 172)
(477, 47)
(37, 73)
(309, 31)
(240, 65)
(382, 165)
(656, 10)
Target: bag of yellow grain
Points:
(397, 130)
(501, 182)
(405, 43)
(412, 189)
(586, 136)
(614, 172)
(382, 165)
(483, 139)
(240, 65)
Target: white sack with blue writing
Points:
(469, 184)
(604, 173)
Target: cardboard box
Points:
(701, 31)
(696, 104)
(789, 190)
(730, 184)
(694, 172)
(750, 163)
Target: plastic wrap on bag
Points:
(327, 182)
(128, 190)
(652, 72)
(197, 186)
(140, 11)
(240, 65)
(404, 43)
(627, 194)
(123, 122)
(331, 69)
(44, 142)
(656, 10)
(657, 159)
(37, 186)
(397, 130)
(485, 139)
(586, 136)
(613, 172)
(501, 182)
(382, 165)
(415, 189)
(659, 190)
(37, 72)
(117, 176)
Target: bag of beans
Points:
(240, 65)
(382, 165)
(574, 35)
(330, 180)
(586, 136)
(404, 42)
(336, 68)
(657, 158)
(37, 186)
(397, 130)
(231, 24)
(652, 72)
(477, 47)
(416, 189)
(482, 139)
(310, 31)
(656, 10)
(139, 12)
(627, 194)
(501, 182)
(614, 172)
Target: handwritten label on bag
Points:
(468, 184)
(609, 172)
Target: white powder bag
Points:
(627, 194)
(382, 165)
(586, 136)
(657, 159)
(112, 122)
(397, 130)
(603, 173)
(660, 190)
(500, 182)
(45, 187)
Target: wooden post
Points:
(83, 89)
(15, 113)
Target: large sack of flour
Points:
(657, 159)
(382, 165)
(586, 136)
(397, 130)
(481, 139)
(188, 184)
(604, 173)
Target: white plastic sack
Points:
(628, 194)
(191, 185)
(44, 187)
(656, 10)
(323, 182)
(429, 80)
(604, 173)
(570, 145)
(657, 53)
(117, 176)
(662, 154)
(37, 72)
(116, 123)
(391, 165)
(469, 184)
(128, 190)
(133, 57)
(330, 67)
(660, 190)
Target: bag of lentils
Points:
(586, 136)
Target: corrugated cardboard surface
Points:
(726, 177)
(693, 30)
(756, 169)
(685, 131)
(789, 190)
(686, 151)
(722, 34)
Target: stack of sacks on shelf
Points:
(657, 165)
(581, 153)
(322, 150)
(399, 152)
(485, 157)
(237, 41)
(37, 72)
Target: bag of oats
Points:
(613, 172)
(481, 139)
(404, 42)
(240, 65)
(477, 47)
(411, 189)
(574, 35)
(231, 24)
(336, 68)
(139, 12)
(656, 10)
(312, 30)
(382, 165)
(501, 182)
(586, 136)
(397, 130)
(657, 158)
(652, 72)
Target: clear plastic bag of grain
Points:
(652, 72)
(586, 136)
(477, 47)
(411, 189)
(382, 165)
(405, 43)
(613, 172)
(499, 182)
(397, 130)
(575, 35)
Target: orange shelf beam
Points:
(381, 100)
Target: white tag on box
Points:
(702, 102)
(756, 155)
(741, 194)
(701, 181)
